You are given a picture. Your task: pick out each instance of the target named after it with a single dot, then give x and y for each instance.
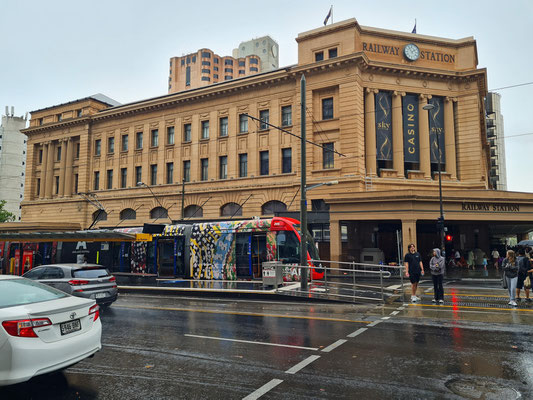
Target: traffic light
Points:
(440, 224)
(449, 238)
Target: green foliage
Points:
(5, 216)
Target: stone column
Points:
(423, 129)
(43, 170)
(63, 164)
(69, 173)
(335, 243)
(408, 234)
(449, 138)
(370, 132)
(397, 134)
(49, 171)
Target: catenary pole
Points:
(303, 200)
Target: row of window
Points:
(195, 211)
(332, 53)
(264, 168)
(56, 186)
(59, 117)
(58, 153)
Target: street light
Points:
(303, 234)
(440, 221)
(155, 197)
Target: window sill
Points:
(154, 147)
(242, 133)
(204, 140)
(263, 130)
(169, 145)
(187, 142)
(326, 170)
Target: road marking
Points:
(357, 332)
(383, 318)
(401, 308)
(472, 307)
(393, 287)
(302, 364)
(474, 295)
(294, 286)
(238, 313)
(252, 342)
(263, 389)
(374, 323)
(334, 345)
(394, 313)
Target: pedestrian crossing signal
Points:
(449, 238)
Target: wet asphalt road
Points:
(171, 348)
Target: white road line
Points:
(374, 323)
(394, 313)
(263, 389)
(383, 318)
(252, 342)
(334, 345)
(290, 287)
(357, 332)
(401, 308)
(393, 287)
(302, 364)
(428, 290)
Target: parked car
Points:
(91, 281)
(43, 329)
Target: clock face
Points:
(411, 52)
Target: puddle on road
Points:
(481, 389)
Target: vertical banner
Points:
(27, 260)
(436, 130)
(383, 127)
(17, 262)
(411, 147)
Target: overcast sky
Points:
(53, 52)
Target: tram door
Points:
(171, 253)
(250, 252)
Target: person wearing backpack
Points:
(524, 269)
(510, 268)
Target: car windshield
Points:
(90, 273)
(17, 292)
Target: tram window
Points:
(288, 247)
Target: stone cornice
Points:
(56, 125)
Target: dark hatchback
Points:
(91, 281)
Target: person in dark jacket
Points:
(510, 268)
(437, 266)
(524, 269)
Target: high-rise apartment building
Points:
(265, 47)
(498, 171)
(12, 161)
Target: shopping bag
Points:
(527, 283)
(504, 281)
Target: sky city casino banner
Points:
(411, 147)
(436, 130)
(383, 126)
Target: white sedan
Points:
(43, 329)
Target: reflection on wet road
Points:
(165, 347)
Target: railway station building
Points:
(366, 92)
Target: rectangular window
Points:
(96, 180)
(223, 163)
(243, 123)
(187, 132)
(38, 187)
(286, 161)
(170, 135)
(41, 156)
(57, 184)
(138, 175)
(327, 155)
(187, 171)
(154, 141)
(97, 147)
(77, 150)
(139, 140)
(319, 56)
(59, 153)
(263, 116)
(153, 174)
(170, 173)
(124, 144)
(286, 116)
(110, 179)
(204, 162)
(79, 113)
(327, 108)
(76, 179)
(123, 177)
(224, 126)
(332, 53)
(263, 157)
(111, 145)
(188, 76)
(243, 165)
(205, 130)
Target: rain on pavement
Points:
(171, 347)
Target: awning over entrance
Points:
(97, 235)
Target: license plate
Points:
(100, 295)
(70, 326)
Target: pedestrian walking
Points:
(495, 258)
(470, 260)
(524, 270)
(436, 265)
(510, 268)
(414, 269)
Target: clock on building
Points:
(411, 52)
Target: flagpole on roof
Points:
(332, 14)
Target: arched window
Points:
(272, 207)
(158, 212)
(230, 209)
(99, 215)
(128, 213)
(193, 211)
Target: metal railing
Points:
(349, 281)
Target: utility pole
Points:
(303, 200)
(183, 199)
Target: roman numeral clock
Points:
(411, 52)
